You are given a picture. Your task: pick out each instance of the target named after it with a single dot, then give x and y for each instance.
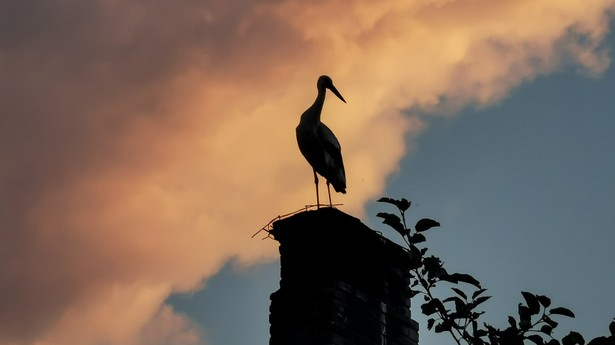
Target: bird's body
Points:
(319, 145)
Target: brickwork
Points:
(341, 284)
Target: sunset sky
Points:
(143, 143)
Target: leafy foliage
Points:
(458, 314)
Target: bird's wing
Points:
(327, 137)
(332, 147)
(332, 158)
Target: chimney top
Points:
(341, 283)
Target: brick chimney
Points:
(341, 284)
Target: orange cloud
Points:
(142, 144)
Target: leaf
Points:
(468, 279)
(442, 327)
(388, 200)
(562, 311)
(511, 336)
(425, 224)
(430, 323)
(490, 328)
(546, 329)
(477, 341)
(460, 293)
(612, 328)
(480, 333)
(417, 238)
(532, 302)
(525, 318)
(476, 315)
(573, 338)
(402, 204)
(456, 278)
(480, 300)
(451, 299)
(536, 339)
(393, 221)
(477, 293)
(600, 341)
(428, 309)
(433, 268)
(460, 305)
(512, 322)
(550, 322)
(544, 301)
(414, 257)
(432, 306)
(432, 263)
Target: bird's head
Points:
(325, 82)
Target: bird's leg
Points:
(317, 196)
(329, 191)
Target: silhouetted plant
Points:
(458, 314)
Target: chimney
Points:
(341, 284)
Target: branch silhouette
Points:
(458, 313)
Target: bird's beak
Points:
(337, 93)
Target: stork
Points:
(319, 145)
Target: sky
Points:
(143, 143)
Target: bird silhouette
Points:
(319, 145)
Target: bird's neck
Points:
(312, 115)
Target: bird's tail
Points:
(339, 186)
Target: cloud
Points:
(143, 143)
